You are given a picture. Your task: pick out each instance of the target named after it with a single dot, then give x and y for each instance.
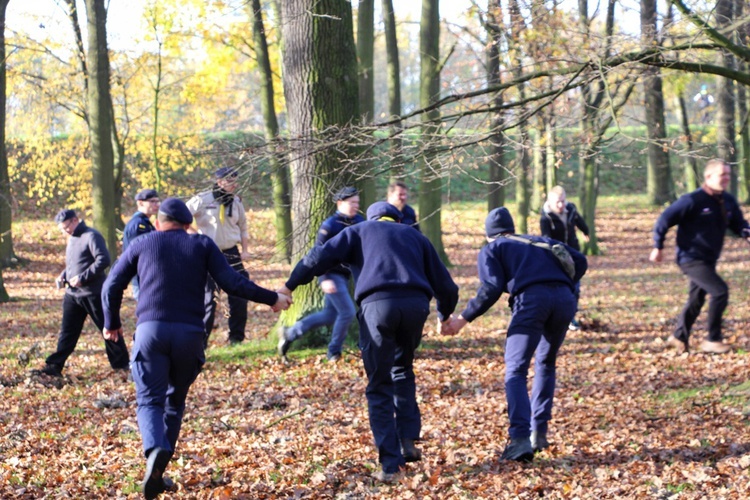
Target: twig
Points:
(303, 410)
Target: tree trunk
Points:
(725, 119)
(743, 38)
(496, 175)
(7, 255)
(551, 145)
(539, 182)
(691, 168)
(321, 91)
(523, 160)
(659, 184)
(431, 192)
(365, 51)
(279, 170)
(393, 76)
(100, 130)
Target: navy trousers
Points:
(74, 313)
(237, 306)
(541, 315)
(167, 358)
(390, 332)
(703, 280)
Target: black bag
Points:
(561, 253)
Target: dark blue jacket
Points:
(87, 257)
(409, 217)
(138, 225)
(389, 261)
(332, 226)
(554, 227)
(512, 266)
(701, 224)
(172, 267)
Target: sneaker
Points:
(715, 347)
(333, 358)
(675, 343)
(519, 449)
(48, 370)
(231, 342)
(284, 342)
(388, 477)
(168, 484)
(539, 441)
(153, 481)
(411, 453)
(574, 325)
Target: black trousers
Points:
(237, 306)
(703, 280)
(75, 311)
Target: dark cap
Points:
(225, 172)
(499, 221)
(146, 194)
(381, 209)
(177, 210)
(344, 193)
(64, 214)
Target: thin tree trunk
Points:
(393, 77)
(725, 109)
(365, 51)
(7, 255)
(431, 192)
(100, 116)
(551, 145)
(496, 175)
(691, 167)
(279, 170)
(539, 182)
(523, 160)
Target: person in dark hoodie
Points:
(338, 309)
(86, 259)
(397, 271)
(220, 215)
(702, 218)
(559, 221)
(542, 304)
(168, 351)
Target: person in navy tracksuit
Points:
(397, 271)
(543, 303)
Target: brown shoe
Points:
(715, 347)
(388, 477)
(677, 344)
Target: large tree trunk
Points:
(725, 119)
(393, 76)
(100, 130)
(365, 51)
(496, 175)
(279, 170)
(431, 192)
(743, 38)
(7, 256)
(321, 91)
(523, 156)
(659, 184)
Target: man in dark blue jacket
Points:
(147, 201)
(168, 351)
(398, 195)
(397, 271)
(338, 309)
(543, 303)
(702, 218)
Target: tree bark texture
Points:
(393, 80)
(725, 107)
(691, 168)
(496, 169)
(743, 38)
(365, 51)
(7, 255)
(523, 150)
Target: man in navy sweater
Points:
(397, 271)
(86, 259)
(147, 201)
(543, 303)
(168, 350)
(398, 195)
(702, 218)
(339, 308)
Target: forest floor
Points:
(631, 419)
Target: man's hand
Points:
(444, 327)
(455, 323)
(113, 335)
(328, 286)
(282, 303)
(656, 255)
(74, 281)
(586, 238)
(245, 255)
(284, 291)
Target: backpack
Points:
(561, 253)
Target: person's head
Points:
(173, 214)
(383, 211)
(717, 174)
(347, 201)
(498, 222)
(556, 199)
(67, 220)
(147, 201)
(226, 179)
(398, 194)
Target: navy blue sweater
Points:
(332, 226)
(701, 224)
(388, 260)
(512, 266)
(172, 267)
(409, 217)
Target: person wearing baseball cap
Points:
(168, 350)
(220, 215)
(147, 203)
(338, 309)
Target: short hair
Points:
(163, 218)
(712, 164)
(397, 184)
(558, 190)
